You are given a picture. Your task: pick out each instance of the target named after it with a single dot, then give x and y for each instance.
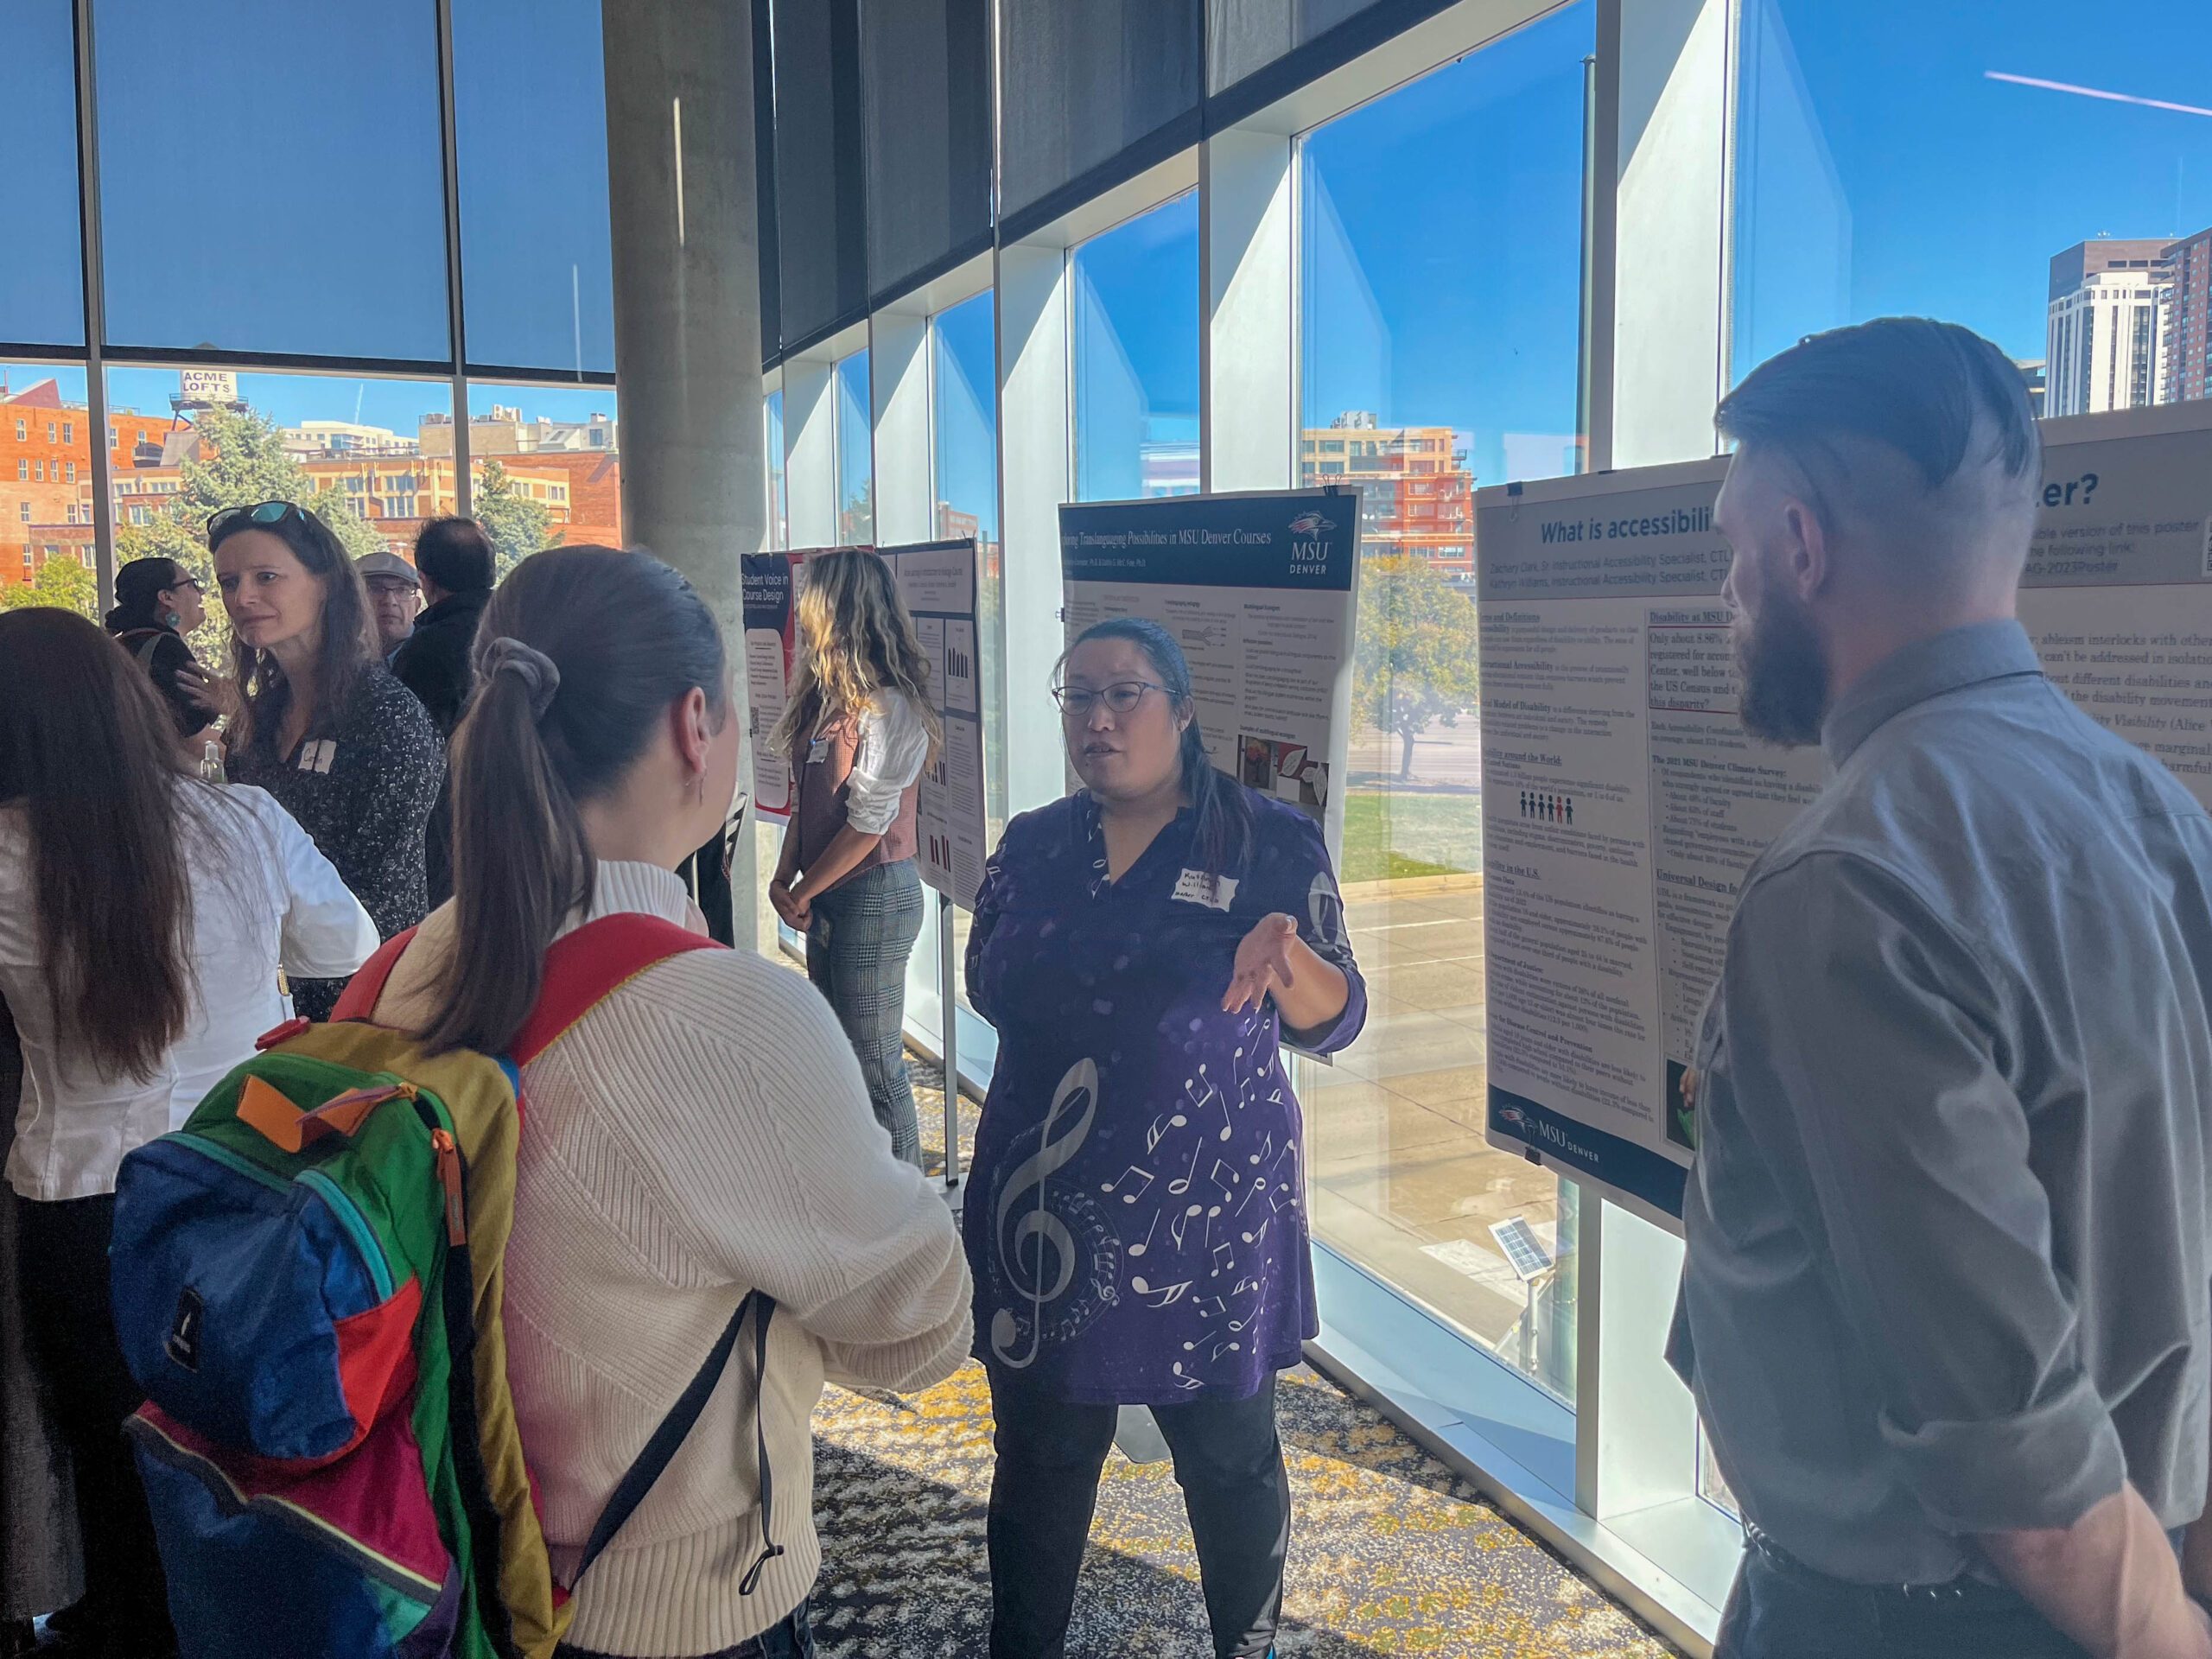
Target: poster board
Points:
(937, 582)
(769, 593)
(1624, 801)
(1261, 589)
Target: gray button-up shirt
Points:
(1946, 1269)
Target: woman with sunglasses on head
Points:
(158, 604)
(859, 730)
(1136, 1222)
(699, 1133)
(143, 917)
(324, 727)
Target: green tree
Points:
(62, 582)
(518, 525)
(1413, 661)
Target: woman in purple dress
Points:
(1135, 1221)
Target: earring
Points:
(698, 789)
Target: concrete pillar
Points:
(686, 306)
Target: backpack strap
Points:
(668, 1440)
(365, 989)
(585, 967)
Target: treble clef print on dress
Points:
(1035, 1224)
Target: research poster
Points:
(768, 599)
(1623, 802)
(1260, 589)
(936, 580)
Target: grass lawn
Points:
(1388, 835)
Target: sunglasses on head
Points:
(235, 519)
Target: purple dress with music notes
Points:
(1135, 1219)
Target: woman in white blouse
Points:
(144, 917)
(859, 730)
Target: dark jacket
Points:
(433, 662)
(164, 655)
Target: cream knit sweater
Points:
(702, 1132)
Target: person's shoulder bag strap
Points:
(668, 1439)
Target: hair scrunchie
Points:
(540, 674)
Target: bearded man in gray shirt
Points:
(1947, 1302)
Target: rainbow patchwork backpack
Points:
(308, 1285)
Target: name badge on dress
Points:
(318, 755)
(1196, 888)
(817, 751)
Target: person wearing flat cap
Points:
(395, 596)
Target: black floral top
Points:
(361, 784)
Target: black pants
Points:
(1229, 1463)
(62, 1262)
(1781, 1609)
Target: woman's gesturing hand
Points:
(1264, 963)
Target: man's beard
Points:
(1785, 675)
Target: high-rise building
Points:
(2189, 318)
(1415, 493)
(2107, 335)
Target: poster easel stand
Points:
(949, 1019)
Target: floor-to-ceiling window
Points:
(1440, 349)
(965, 470)
(1135, 330)
(2050, 188)
(780, 508)
(855, 452)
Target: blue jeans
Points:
(857, 944)
(793, 1638)
(1780, 1609)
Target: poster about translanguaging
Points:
(1259, 589)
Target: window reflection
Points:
(2040, 194)
(1136, 357)
(1431, 362)
(855, 452)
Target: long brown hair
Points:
(88, 754)
(856, 641)
(579, 657)
(349, 633)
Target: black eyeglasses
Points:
(234, 518)
(1076, 701)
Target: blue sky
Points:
(1957, 190)
(272, 183)
(271, 179)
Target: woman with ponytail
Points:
(1137, 1224)
(158, 604)
(701, 1133)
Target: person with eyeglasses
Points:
(1136, 1223)
(323, 725)
(159, 603)
(859, 730)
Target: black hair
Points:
(1223, 832)
(348, 634)
(139, 586)
(627, 636)
(1916, 385)
(457, 555)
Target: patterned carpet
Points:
(1390, 1552)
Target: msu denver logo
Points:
(1310, 524)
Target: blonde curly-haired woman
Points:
(859, 730)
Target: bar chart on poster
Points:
(937, 581)
(1626, 803)
(1260, 589)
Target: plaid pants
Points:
(857, 944)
